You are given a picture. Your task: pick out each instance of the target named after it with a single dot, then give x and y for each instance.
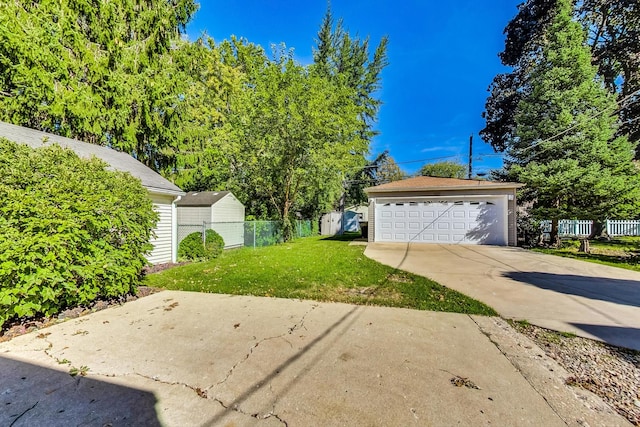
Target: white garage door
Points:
(472, 221)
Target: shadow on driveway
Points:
(617, 335)
(618, 291)
(34, 395)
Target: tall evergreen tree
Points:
(564, 148)
(94, 70)
(347, 59)
(613, 28)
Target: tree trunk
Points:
(584, 246)
(599, 230)
(553, 235)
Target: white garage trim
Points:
(478, 219)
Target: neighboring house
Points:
(162, 192)
(333, 223)
(221, 210)
(443, 210)
(361, 210)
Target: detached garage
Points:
(443, 210)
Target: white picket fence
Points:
(577, 227)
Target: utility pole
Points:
(470, 154)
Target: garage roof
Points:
(116, 160)
(202, 198)
(422, 183)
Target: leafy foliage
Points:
(444, 170)
(281, 136)
(70, 230)
(101, 72)
(194, 249)
(613, 28)
(339, 56)
(290, 136)
(565, 149)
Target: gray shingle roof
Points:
(117, 160)
(202, 198)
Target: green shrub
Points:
(191, 247)
(70, 230)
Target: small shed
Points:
(218, 210)
(162, 192)
(443, 210)
(333, 223)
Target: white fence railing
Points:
(579, 227)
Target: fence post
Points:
(254, 234)
(204, 233)
(607, 227)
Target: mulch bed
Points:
(22, 326)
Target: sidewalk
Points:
(189, 359)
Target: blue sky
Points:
(442, 57)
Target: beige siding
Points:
(511, 221)
(193, 215)
(229, 210)
(162, 241)
(371, 235)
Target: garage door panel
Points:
(469, 221)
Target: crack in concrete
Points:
(202, 393)
(257, 416)
(291, 330)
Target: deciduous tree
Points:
(444, 170)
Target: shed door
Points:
(479, 221)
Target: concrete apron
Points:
(591, 300)
(189, 359)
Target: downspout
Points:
(174, 229)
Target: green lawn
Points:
(319, 269)
(623, 252)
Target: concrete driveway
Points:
(189, 359)
(590, 300)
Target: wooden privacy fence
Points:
(579, 227)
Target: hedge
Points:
(191, 247)
(71, 231)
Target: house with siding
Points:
(163, 193)
(218, 210)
